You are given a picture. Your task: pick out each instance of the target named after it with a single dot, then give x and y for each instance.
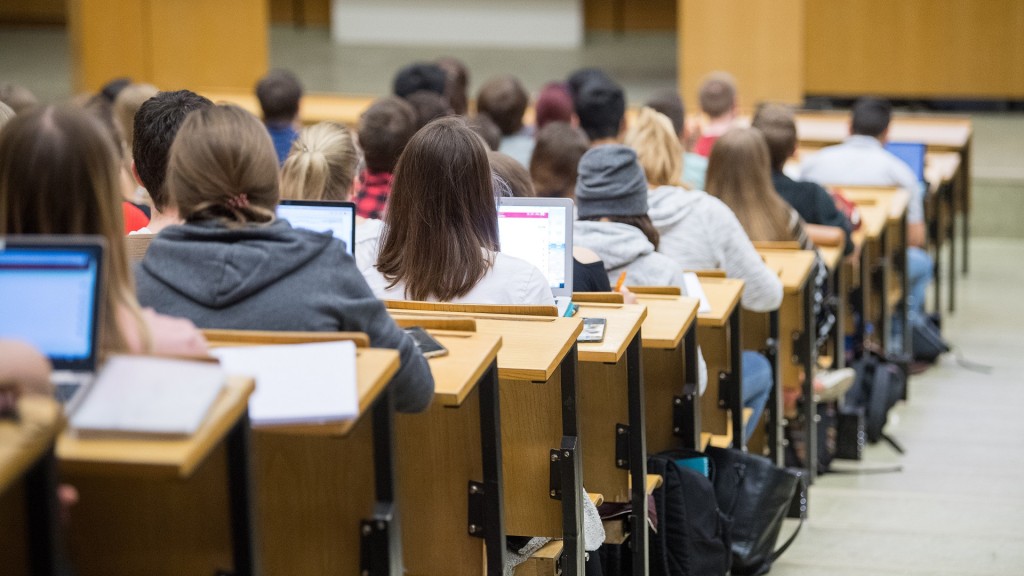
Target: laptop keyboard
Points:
(64, 392)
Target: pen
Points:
(622, 279)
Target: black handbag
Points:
(757, 495)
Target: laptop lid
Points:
(912, 154)
(339, 218)
(539, 230)
(50, 289)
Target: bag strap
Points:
(777, 553)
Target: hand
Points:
(25, 368)
(627, 296)
(174, 336)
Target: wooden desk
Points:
(797, 353)
(718, 333)
(839, 272)
(449, 462)
(537, 366)
(156, 500)
(33, 543)
(943, 171)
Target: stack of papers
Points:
(148, 395)
(693, 289)
(297, 383)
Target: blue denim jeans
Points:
(757, 386)
(919, 276)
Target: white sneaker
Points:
(830, 385)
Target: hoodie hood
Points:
(217, 266)
(668, 205)
(617, 244)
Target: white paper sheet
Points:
(297, 383)
(693, 289)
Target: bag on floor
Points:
(878, 386)
(827, 435)
(926, 340)
(756, 495)
(693, 535)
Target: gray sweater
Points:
(625, 248)
(274, 277)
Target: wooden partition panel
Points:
(603, 404)
(760, 42)
(14, 545)
(101, 51)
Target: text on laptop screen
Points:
(339, 220)
(47, 299)
(912, 154)
(536, 234)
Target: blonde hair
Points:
(60, 174)
(739, 174)
(223, 167)
(127, 103)
(321, 165)
(657, 148)
(6, 114)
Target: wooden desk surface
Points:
(832, 256)
(622, 323)
(893, 200)
(157, 457)
(941, 167)
(723, 295)
(22, 442)
(313, 109)
(668, 319)
(532, 346)
(938, 132)
(469, 355)
(796, 266)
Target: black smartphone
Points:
(426, 343)
(593, 330)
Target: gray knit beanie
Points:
(610, 183)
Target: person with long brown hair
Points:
(440, 239)
(232, 264)
(60, 174)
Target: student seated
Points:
(694, 166)
(505, 100)
(814, 204)
(718, 102)
(279, 93)
(71, 185)
(487, 130)
(456, 84)
(156, 124)
(419, 76)
(554, 104)
(601, 108)
(861, 160)
(428, 106)
(233, 265)
(440, 238)
(384, 130)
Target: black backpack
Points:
(877, 388)
(693, 535)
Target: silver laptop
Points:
(339, 218)
(50, 288)
(539, 230)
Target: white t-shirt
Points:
(509, 281)
(863, 161)
(367, 243)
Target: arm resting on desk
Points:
(825, 235)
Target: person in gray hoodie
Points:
(233, 265)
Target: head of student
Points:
(486, 129)
(428, 106)
(555, 159)
(778, 125)
(671, 105)
(18, 97)
(657, 148)
(581, 76)
(871, 117)
(601, 108)
(718, 95)
(384, 129)
(127, 104)
(612, 187)
(419, 76)
(456, 83)
(554, 104)
(739, 174)
(441, 226)
(279, 93)
(504, 99)
(59, 174)
(322, 164)
(510, 177)
(223, 167)
(156, 124)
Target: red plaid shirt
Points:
(372, 196)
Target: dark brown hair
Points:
(777, 124)
(456, 83)
(503, 99)
(384, 129)
(717, 94)
(511, 174)
(441, 214)
(556, 156)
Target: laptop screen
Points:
(539, 230)
(339, 218)
(912, 153)
(49, 297)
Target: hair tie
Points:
(239, 201)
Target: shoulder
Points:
(521, 281)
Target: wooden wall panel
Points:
(32, 12)
(101, 53)
(629, 16)
(927, 48)
(759, 41)
(301, 12)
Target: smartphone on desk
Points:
(593, 330)
(427, 344)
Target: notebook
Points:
(912, 154)
(339, 218)
(50, 291)
(149, 395)
(539, 231)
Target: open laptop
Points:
(339, 218)
(912, 154)
(539, 230)
(50, 289)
